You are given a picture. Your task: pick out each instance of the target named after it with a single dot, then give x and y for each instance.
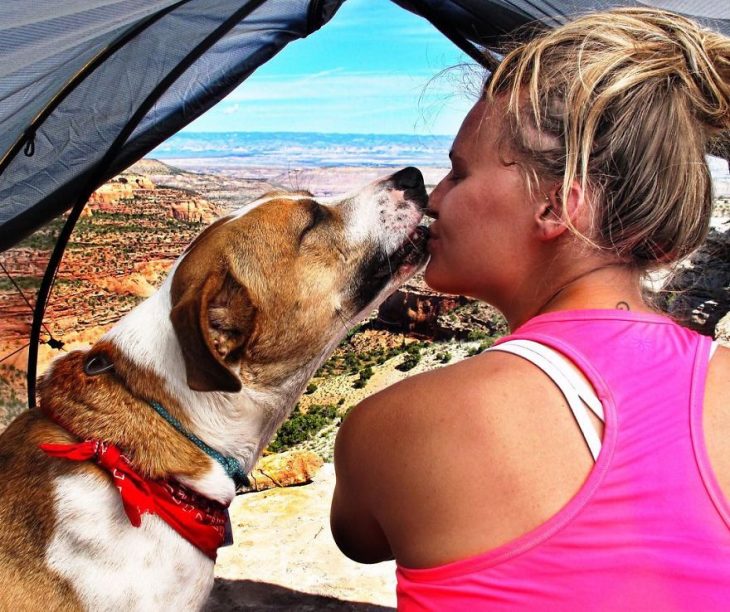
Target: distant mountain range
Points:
(307, 150)
(290, 150)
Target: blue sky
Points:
(369, 70)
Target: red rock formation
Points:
(109, 194)
(284, 469)
(119, 189)
(194, 210)
(415, 310)
(130, 284)
(137, 181)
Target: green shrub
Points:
(24, 282)
(365, 375)
(311, 388)
(476, 334)
(410, 361)
(483, 346)
(393, 351)
(444, 357)
(346, 340)
(351, 361)
(413, 348)
(302, 426)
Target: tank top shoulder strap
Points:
(577, 392)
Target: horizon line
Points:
(189, 132)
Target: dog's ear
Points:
(213, 322)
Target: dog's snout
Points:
(408, 178)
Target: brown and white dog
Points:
(248, 313)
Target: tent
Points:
(87, 87)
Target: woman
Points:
(580, 169)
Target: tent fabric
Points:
(487, 22)
(155, 79)
(87, 87)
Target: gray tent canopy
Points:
(87, 87)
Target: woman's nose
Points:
(434, 200)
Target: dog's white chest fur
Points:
(113, 565)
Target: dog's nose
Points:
(408, 178)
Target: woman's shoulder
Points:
(472, 381)
(491, 431)
(488, 395)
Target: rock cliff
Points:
(417, 310)
(698, 293)
(123, 189)
(119, 189)
(413, 309)
(194, 210)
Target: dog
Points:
(113, 494)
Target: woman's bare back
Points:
(495, 433)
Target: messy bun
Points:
(628, 102)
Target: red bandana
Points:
(201, 521)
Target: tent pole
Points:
(43, 293)
(100, 169)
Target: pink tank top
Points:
(650, 528)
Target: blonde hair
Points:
(627, 102)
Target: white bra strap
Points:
(583, 389)
(556, 367)
(713, 348)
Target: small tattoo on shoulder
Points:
(623, 306)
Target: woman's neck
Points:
(600, 286)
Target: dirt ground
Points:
(284, 557)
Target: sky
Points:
(373, 69)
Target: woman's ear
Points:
(556, 212)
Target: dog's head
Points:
(271, 289)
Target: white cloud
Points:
(339, 84)
(338, 100)
(384, 115)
